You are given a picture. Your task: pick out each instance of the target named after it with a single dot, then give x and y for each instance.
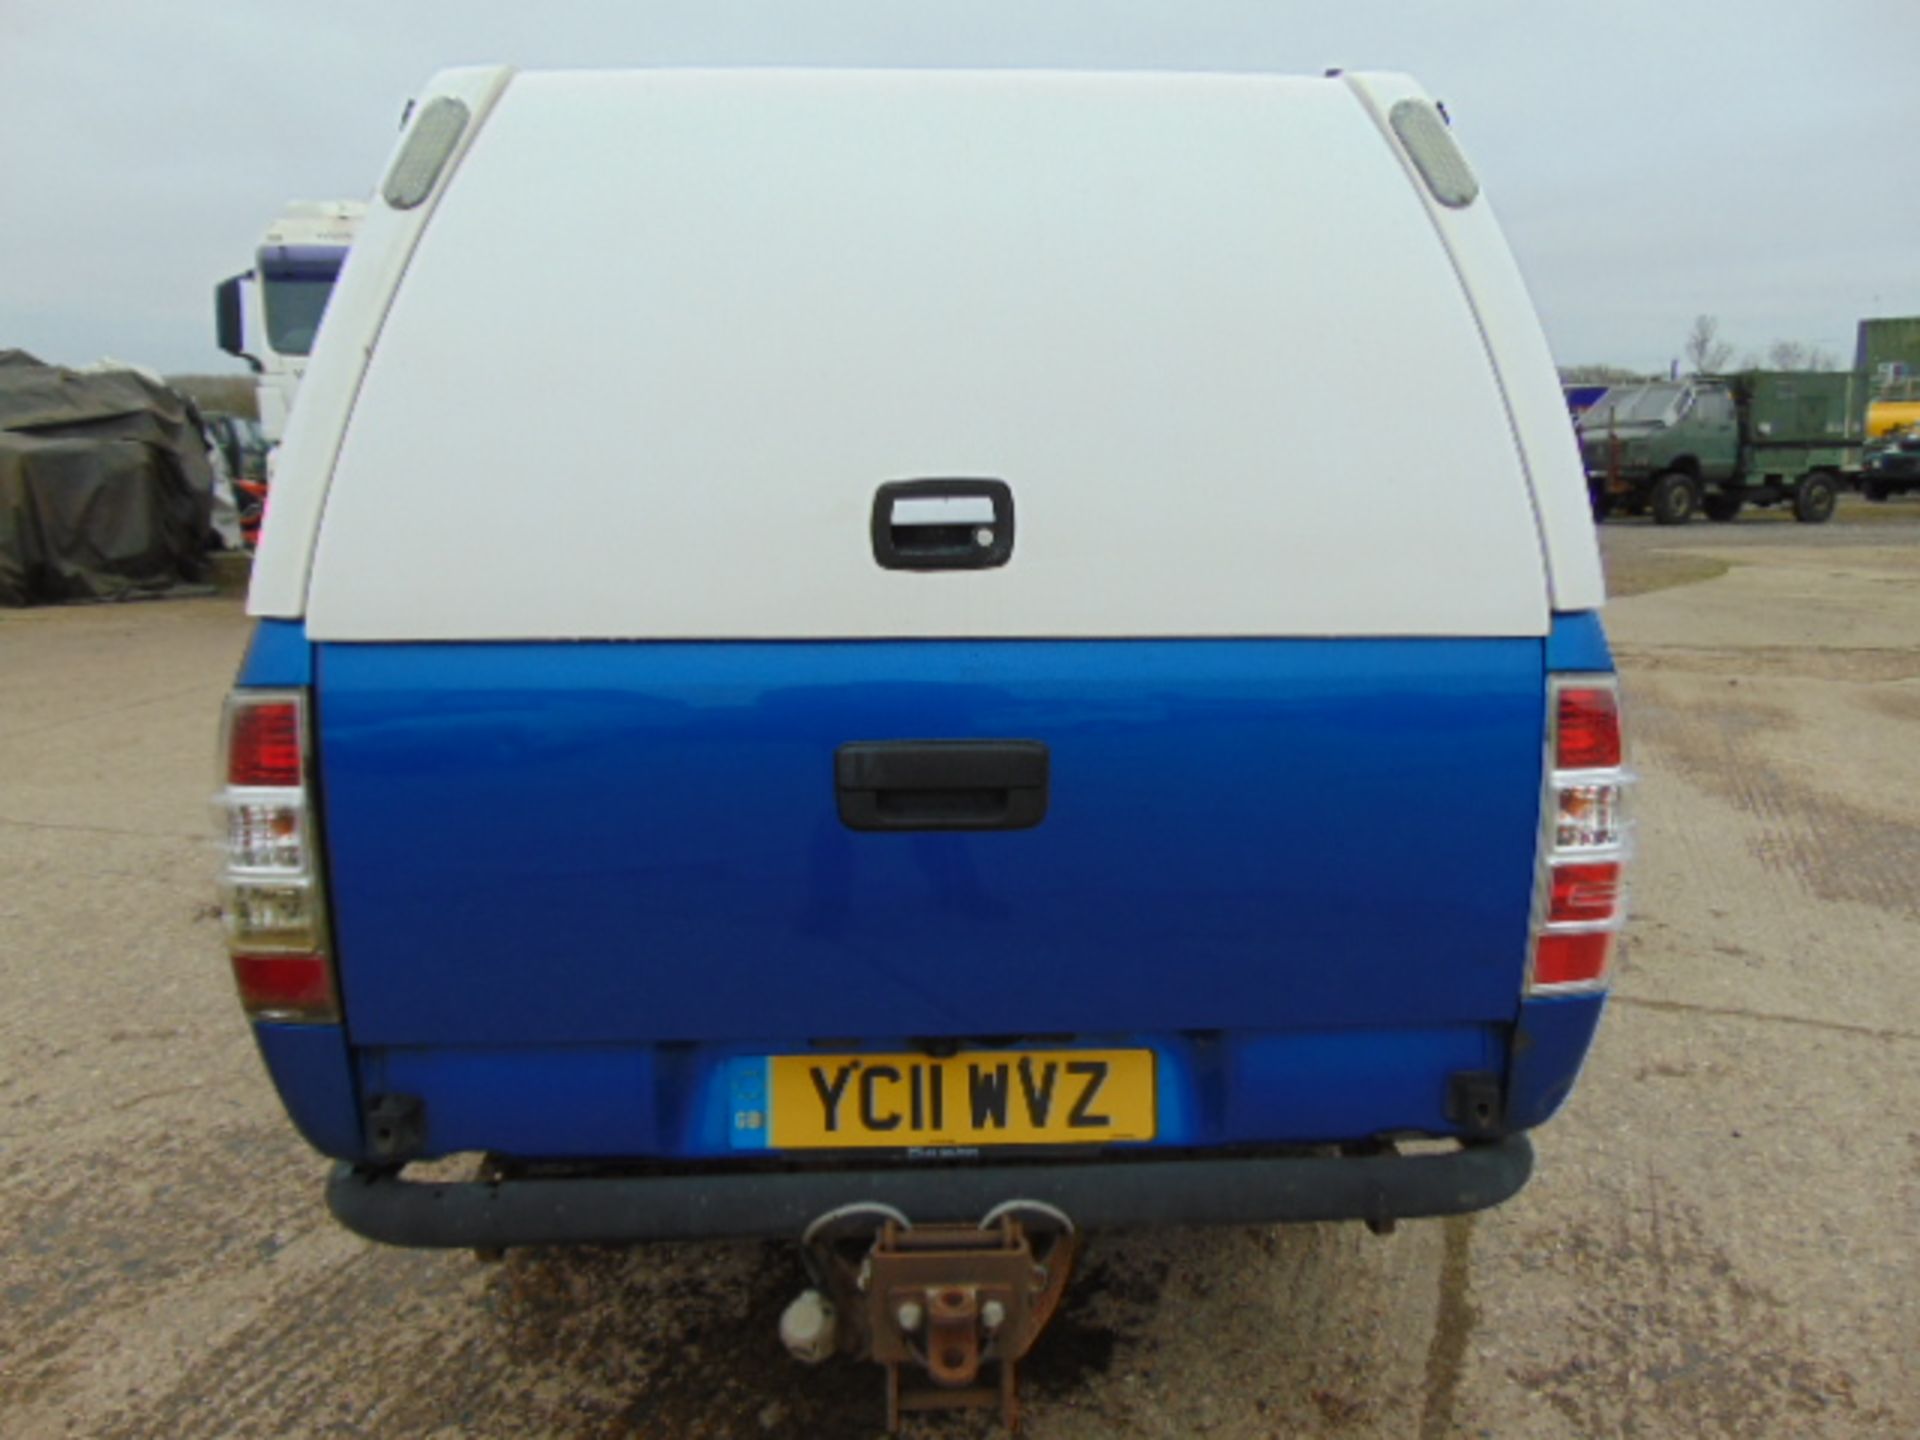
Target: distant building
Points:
(1889, 353)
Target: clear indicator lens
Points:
(1590, 817)
(266, 835)
(272, 915)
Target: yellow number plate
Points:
(1021, 1097)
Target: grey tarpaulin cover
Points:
(105, 491)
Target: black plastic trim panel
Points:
(603, 1209)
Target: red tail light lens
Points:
(285, 987)
(1575, 959)
(1588, 729)
(1584, 894)
(263, 743)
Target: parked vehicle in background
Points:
(106, 483)
(1887, 351)
(1888, 354)
(1892, 467)
(272, 322)
(243, 444)
(1582, 398)
(1716, 444)
(1886, 418)
(243, 451)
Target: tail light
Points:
(1584, 841)
(270, 883)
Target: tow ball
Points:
(948, 1311)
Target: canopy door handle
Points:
(942, 524)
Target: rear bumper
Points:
(1110, 1194)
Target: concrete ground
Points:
(1722, 1239)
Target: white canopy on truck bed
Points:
(640, 365)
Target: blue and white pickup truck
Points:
(861, 639)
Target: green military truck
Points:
(1717, 443)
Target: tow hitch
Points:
(948, 1311)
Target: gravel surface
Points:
(1722, 1238)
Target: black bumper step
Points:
(1104, 1194)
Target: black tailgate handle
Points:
(942, 524)
(942, 784)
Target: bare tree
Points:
(1706, 352)
(1797, 355)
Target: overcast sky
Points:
(1649, 160)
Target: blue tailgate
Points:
(634, 843)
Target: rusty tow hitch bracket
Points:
(948, 1311)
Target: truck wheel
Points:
(1676, 495)
(1814, 499)
(1875, 489)
(1722, 506)
(1602, 504)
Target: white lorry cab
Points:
(272, 323)
(936, 709)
